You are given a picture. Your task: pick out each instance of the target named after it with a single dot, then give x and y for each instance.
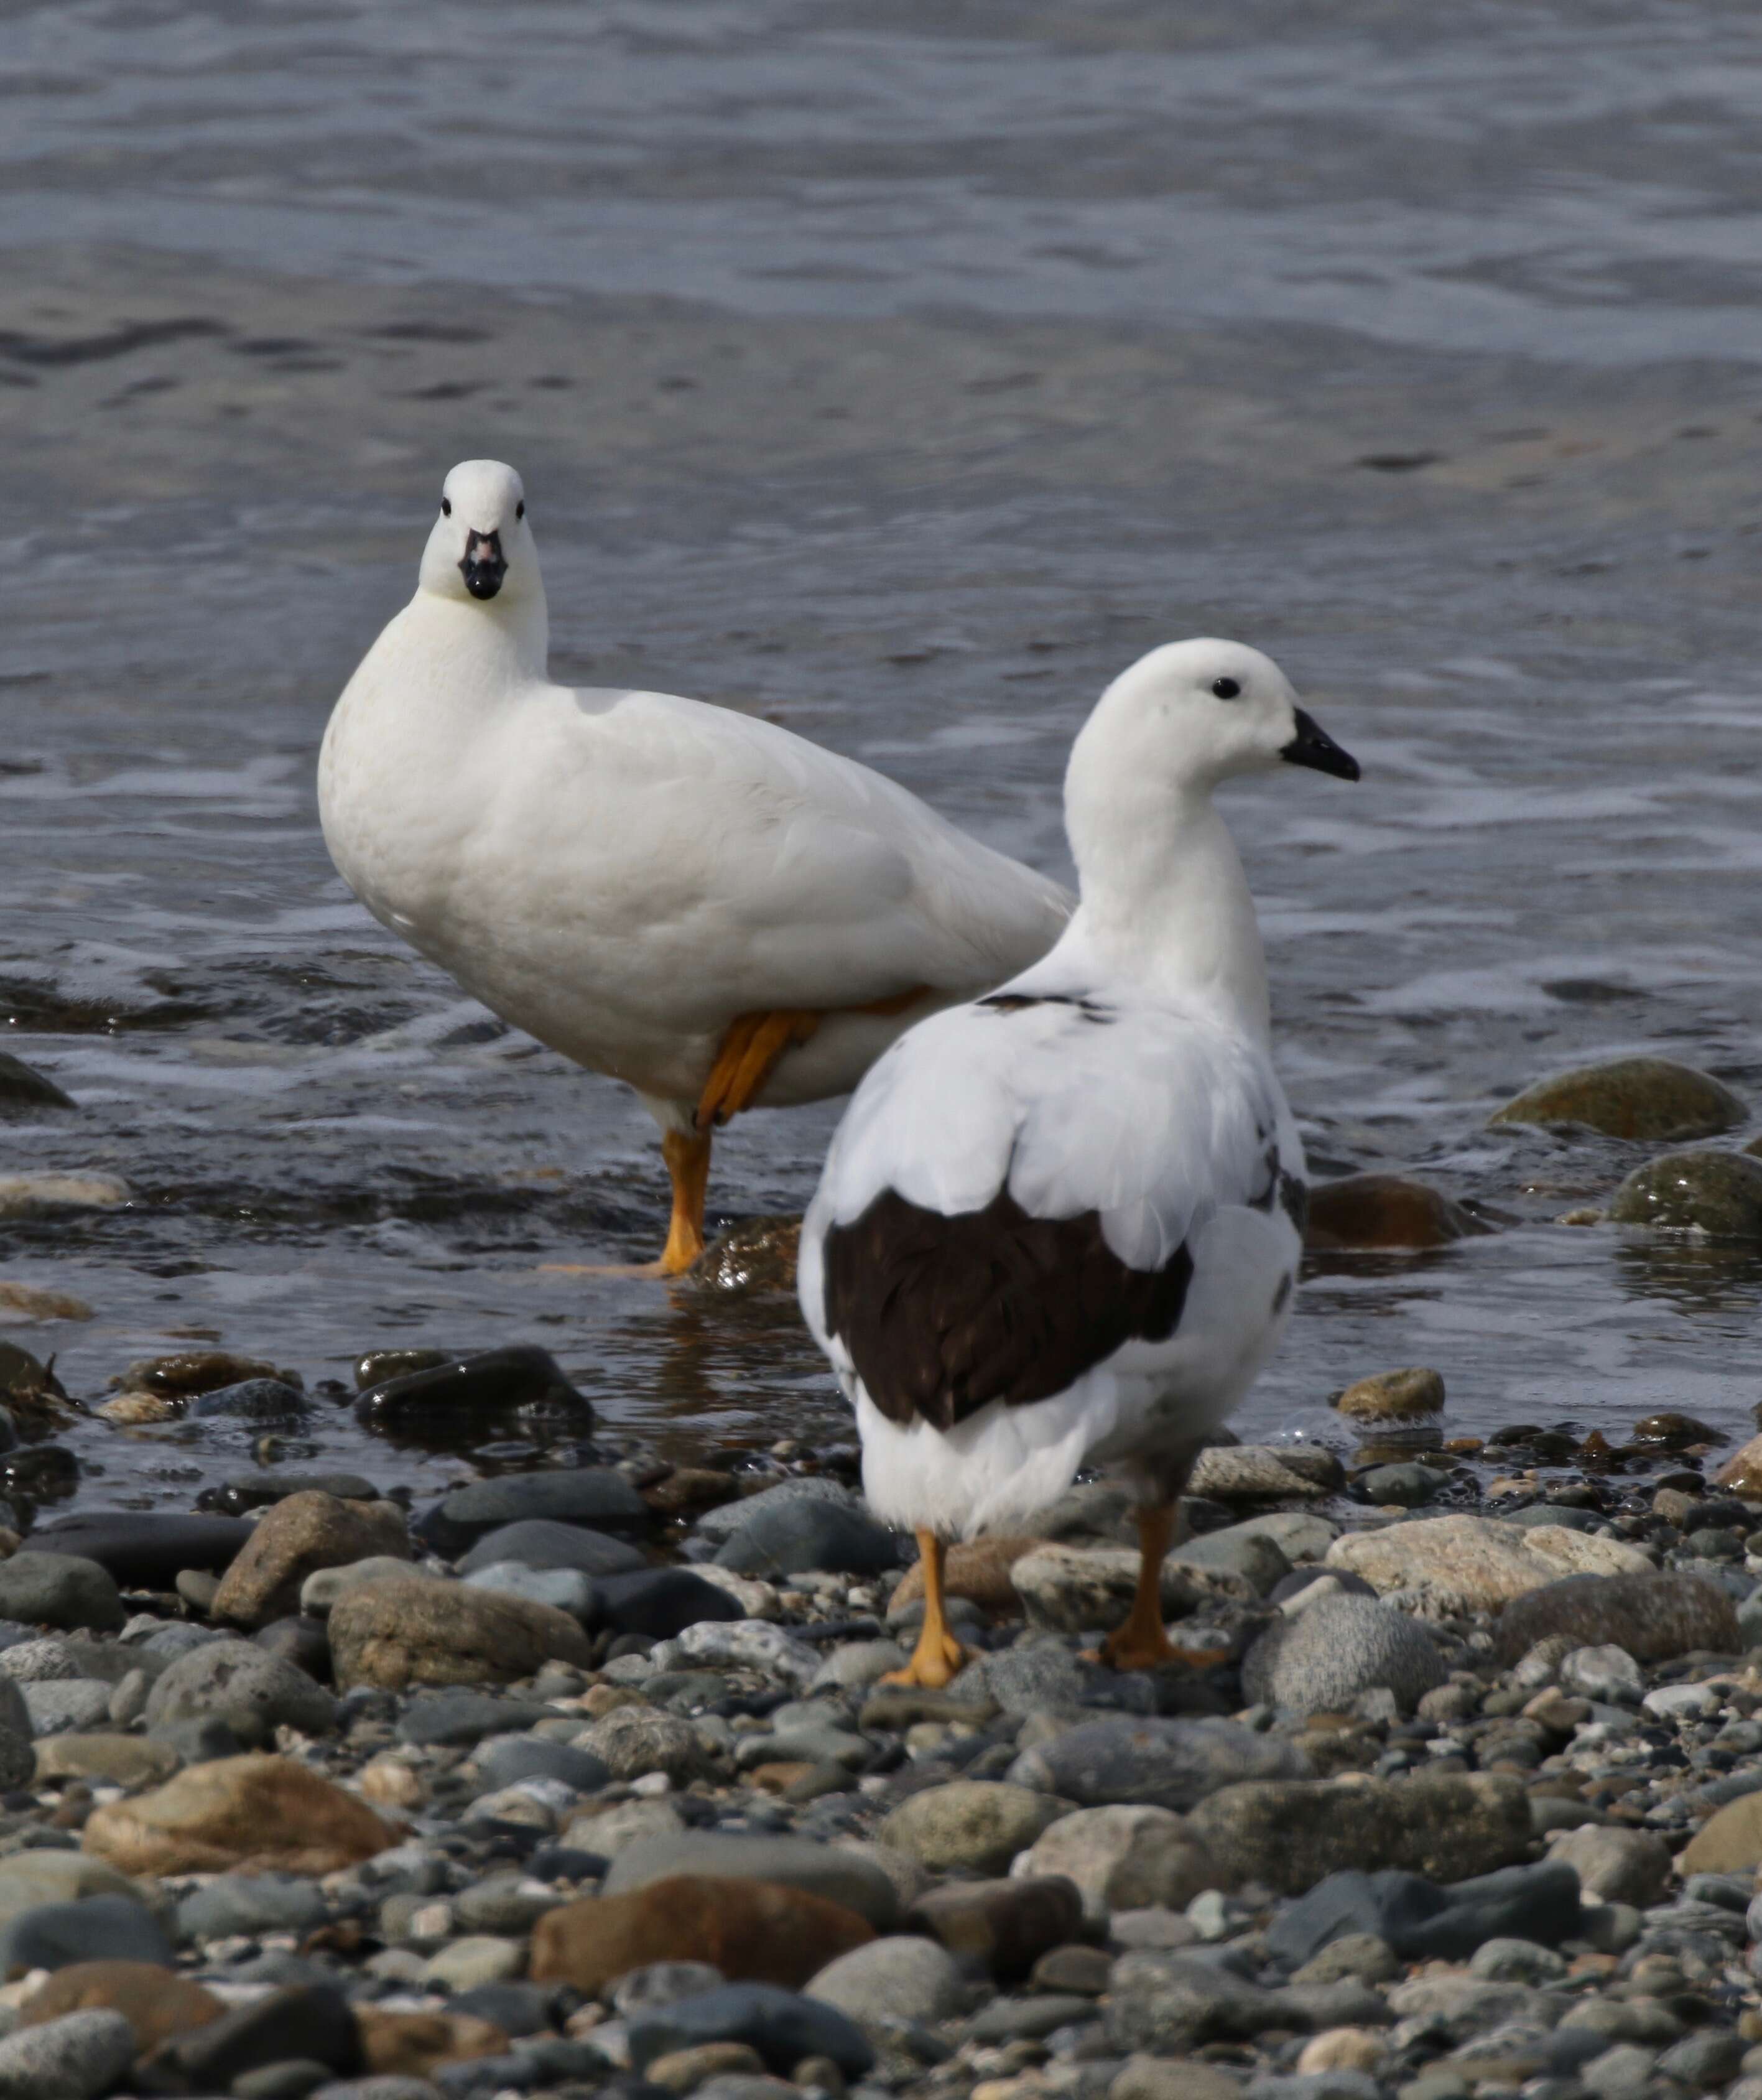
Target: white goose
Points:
(1061, 1225)
(703, 905)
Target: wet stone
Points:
(252, 1400)
(1375, 1213)
(23, 1088)
(1718, 1193)
(1647, 1099)
(253, 1491)
(519, 1387)
(660, 1603)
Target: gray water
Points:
(901, 374)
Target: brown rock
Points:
(411, 2045)
(23, 1301)
(755, 1256)
(1656, 1616)
(977, 1569)
(257, 1813)
(192, 1371)
(1004, 1926)
(1716, 1193)
(755, 1932)
(689, 1488)
(1650, 1099)
(294, 1538)
(415, 1630)
(683, 2071)
(1728, 1843)
(1741, 1473)
(1671, 1431)
(1383, 1210)
(388, 1782)
(157, 2003)
(1393, 1396)
(117, 1760)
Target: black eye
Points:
(520, 511)
(446, 506)
(1225, 689)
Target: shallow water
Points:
(902, 381)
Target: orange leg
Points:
(1142, 1642)
(938, 1656)
(688, 1167)
(752, 1047)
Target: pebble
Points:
(899, 1978)
(1324, 1650)
(45, 1589)
(840, 1876)
(252, 1691)
(781, 2026)
(74, 2058)
(1125, 1856)
(969, 1825)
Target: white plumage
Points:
(630, 875)
(1095, 1163)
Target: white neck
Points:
(1165, 900)
(506, 642)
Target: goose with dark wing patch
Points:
(1060, 1226)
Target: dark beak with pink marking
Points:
(484, 564)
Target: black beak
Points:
(484, 565)
(1312, 746)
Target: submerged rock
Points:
(1648, 1099)
(1368, 1212)
(522, 1385)
(755, 1256)
(23, 1087)
(1718, 1193)
(1392, 1396)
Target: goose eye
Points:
(447, 507)
(1225, 689)
(520, 511)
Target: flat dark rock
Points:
(96, 1928)
(23, 1087)
(781, 2026)
(1423, 1923)
(251, 1491)
(465, 1718)
(594, 1496)
(522, 1385)
(660, 1602)
(142, 1549)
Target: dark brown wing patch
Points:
(943, 1315)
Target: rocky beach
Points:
(584, 1776)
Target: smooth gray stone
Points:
(95, 1929)
(252, 1904)
(253, 1691)
(1165, 1763)
(47, 1589)
(541, 1542)
(509, 1759)
(723, 1521)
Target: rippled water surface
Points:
(901, 374)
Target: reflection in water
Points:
(1696, 1276)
